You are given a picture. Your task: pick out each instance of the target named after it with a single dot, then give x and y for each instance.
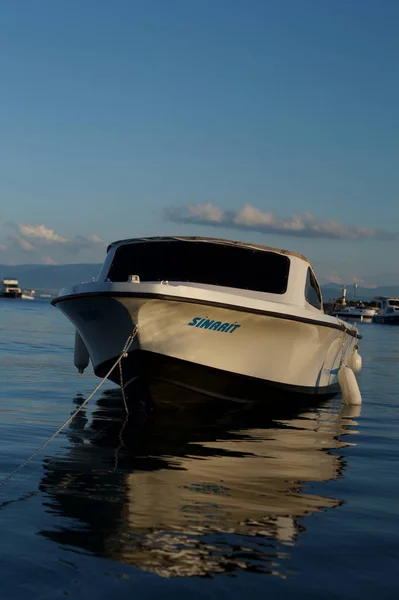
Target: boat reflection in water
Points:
(206, 487)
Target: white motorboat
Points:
(358, 313)
(388, 313)
(218, 316)
(28, 294)
(10, 288)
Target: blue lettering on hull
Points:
(206, 323)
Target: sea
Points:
(183, 496)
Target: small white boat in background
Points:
(218, 316)
(28, 295)
(10, 288)
(357, 313)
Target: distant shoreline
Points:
(49, 279)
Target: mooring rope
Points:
(118, 361)
(121, 444)
(345, 344)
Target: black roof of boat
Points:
(206, 240)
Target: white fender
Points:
(80, 355)
(349, 386)
(355, 362)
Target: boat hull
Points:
(207, 380)
(364, 314)
(356, 318)
(10, 294)
(224, 351)
(386, 319)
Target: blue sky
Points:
(274, 121)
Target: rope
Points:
(121, 444)
(123, 355)
(123, 390)
(341, 361)
(345, 344)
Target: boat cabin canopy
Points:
(209, 261)
(9, 281)
(384, 301)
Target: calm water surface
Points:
(209, 500)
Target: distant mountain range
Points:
(50, 278)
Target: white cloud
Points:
(94, 239)
(334, 279)
(348, 280)
(41, 233)
(207, 211)
(47, 260)
(362, 283)
(250, 218)
(81, 242)
(248, 215)
(24, 244)
(39, 241)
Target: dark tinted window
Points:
(202, 262)
(312, 291)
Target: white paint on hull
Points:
(265, 347)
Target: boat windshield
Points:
(202, 262)
(393, 302)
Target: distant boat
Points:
(360, 313)
(28, 295)
(389, 310)
(10, 289)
